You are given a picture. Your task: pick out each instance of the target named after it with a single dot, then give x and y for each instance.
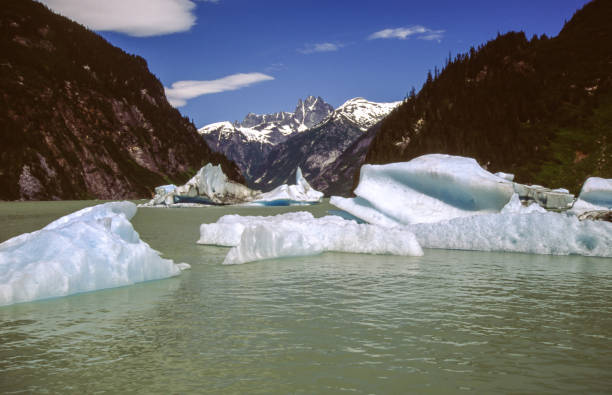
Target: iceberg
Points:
(300, 234)
(209, 186)
(430, 188)
(597, 191)
(285, 195)
(527, 232)
(90, 249)
(437, 187)
(228, 229)
(515, 206)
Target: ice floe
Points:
(93, 248)
(300, 234)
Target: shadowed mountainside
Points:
(81, 119)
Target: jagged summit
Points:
(262, 145)
(274, 128)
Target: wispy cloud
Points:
(275, 67)
(402, 33)
(181, 91)
(140, 18)
(320, 47)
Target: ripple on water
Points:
(446, 322)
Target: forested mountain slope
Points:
(540, 108)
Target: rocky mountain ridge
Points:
(248, 142)
(314, 137)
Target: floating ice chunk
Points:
(505, 176)
(597, 191)
(209, 186)
(228, 229)
(91, 249)
(515, 206)
(287, 195)
(535, 233)
(300, 234)
(429, 188)
(288, 238)
(362, 209)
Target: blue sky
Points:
(274, 52)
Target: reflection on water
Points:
(446, 322)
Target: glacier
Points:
(300, 234)
(90, 249)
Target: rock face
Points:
(248, 142)
(80, 118)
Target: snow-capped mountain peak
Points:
(365, 113)
(255, 142)
(272, 128)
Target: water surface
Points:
(449, 321)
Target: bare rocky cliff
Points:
(80, 118)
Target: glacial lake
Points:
(447, 322)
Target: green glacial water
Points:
(447, 322)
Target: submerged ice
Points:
(300, 234)
(91, 249)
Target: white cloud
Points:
(321, 47)
(140, 18)
(181, 91)
(432, 35)
(402, 33)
